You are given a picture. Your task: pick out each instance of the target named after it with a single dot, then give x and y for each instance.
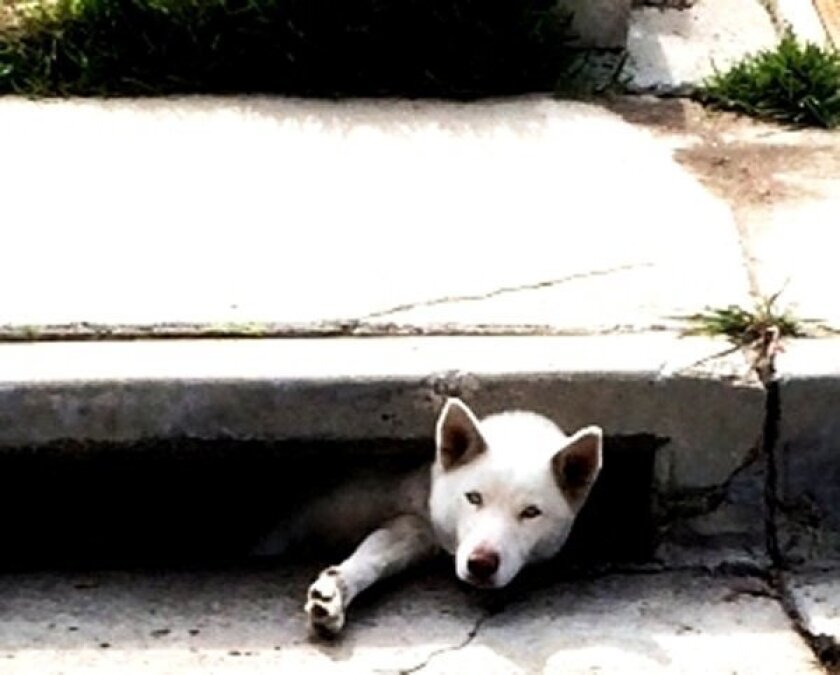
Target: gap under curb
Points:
(681, 414)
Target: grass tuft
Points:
(793, 83)
(450, 48)
(745, 327)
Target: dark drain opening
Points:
(617, 522)
(188, 502)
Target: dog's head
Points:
(506, 490)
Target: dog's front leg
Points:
(386, 551)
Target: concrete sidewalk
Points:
(304, 214)
(239, 622)
(429, 217)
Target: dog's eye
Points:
(530, 512)
(474, 498)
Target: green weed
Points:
(793, 83)
(745, 327)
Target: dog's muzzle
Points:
(482, 565)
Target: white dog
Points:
(501, 493)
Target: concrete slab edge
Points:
(695, 392)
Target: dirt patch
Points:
(744, 161)
(750, 173)
(758, 169)
(672, 115)
(669, 115)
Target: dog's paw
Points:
(325, 603)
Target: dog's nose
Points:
(483, 564)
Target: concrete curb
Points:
(684, 390)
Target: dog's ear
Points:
(457, 436)
(577, 465)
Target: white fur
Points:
(514, 473)
(508, 463)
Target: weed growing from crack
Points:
(796, 83)
(760, 330)
(746, 327)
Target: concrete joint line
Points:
(331, 329)
(772, 9)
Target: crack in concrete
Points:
(705, 500)
(471, 635)
(504, 290)
(759, 589)
(824, 647)
(769, 441)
